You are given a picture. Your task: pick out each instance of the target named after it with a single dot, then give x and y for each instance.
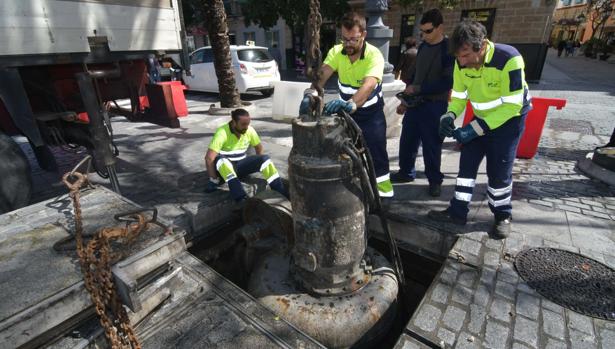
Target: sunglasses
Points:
(350, 41)
(428, 31)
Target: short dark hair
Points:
(410, 42)
(433, 16)
(239, 112)
(468, 32)
(353, 19)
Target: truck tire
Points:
(16, 184)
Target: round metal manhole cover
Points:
(570, 280)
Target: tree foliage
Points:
(421, 3)
(598, 12)
(294, 12)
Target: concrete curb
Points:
(590, 169)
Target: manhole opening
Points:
(570, 280)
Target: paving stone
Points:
(467, 341)
(553, 324)
(553, 344)
(569, 208)
(576, 204)
(527, 305)
(580, 340)
(524, 287)
(526, 331)
(501, 309)
(454, 317)
(469, 246)
(477, 318)
(448, 276)
(541, 203)
(579, 322)
(505, 290)
(513, 245)
(494, 244)
(593, 213)
(496, 335)
(607, 338)
(462, 295)
(428, 317)
(519, 346)
(482, 295)
(547, 304)
(408, 343)
(468, 277)
(492, 259)
(487, 276)
(447, 336)
(440, 293)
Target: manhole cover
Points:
(578, 126)
(570, 280)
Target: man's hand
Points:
(212, 185)
(338, 105)
(409, 90)
(401, 109)
(447, 125)
(465, 134)
(304, 107)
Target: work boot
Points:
(399, 177)
(445, 216)
(435, 189)
(500, 229)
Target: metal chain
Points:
(314, 58)
(95, 260)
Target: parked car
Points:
(253, 65)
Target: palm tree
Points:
(217, 28)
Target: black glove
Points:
(212, 185)
(447, 125)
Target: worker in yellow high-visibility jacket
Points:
(491, 77)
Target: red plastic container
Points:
(534, 123)
(177, 93)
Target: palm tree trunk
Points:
(217, 29)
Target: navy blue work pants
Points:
(499, 146)
(374, 128)
(420, 125)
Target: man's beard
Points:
(350, 50)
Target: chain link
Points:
(95, 260)
(314, 58)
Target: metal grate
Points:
(570, 280)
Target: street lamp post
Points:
(379, 34)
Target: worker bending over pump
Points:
(227, 161)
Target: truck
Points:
(65, 64)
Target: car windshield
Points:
(254, 55)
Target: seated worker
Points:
(226, 158)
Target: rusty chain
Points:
(314, 58)
(95, 260)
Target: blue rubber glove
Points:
(447, 125)
(304, 107)
(212, 185)
(465, 134)
(337, 105)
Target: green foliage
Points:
(193, 12)
(420, 3)
(294, 12)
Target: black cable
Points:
(368, 165)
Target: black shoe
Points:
(500, 229)
(435, 189)
(445, 217)
(399, 177)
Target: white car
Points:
(253, 66)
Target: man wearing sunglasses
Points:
(430, 83)
(360, 67)
(491, 77)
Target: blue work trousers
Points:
(499, 146)
(420, 126)
(374, 128)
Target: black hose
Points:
(368, 165)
